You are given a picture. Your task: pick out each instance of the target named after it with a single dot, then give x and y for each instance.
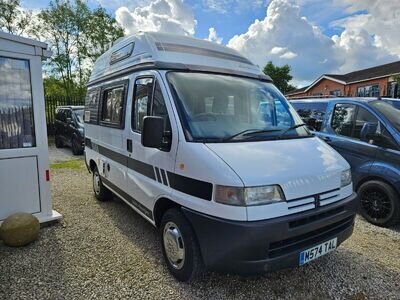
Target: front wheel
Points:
(100, 191)
(179, 245)
(379, 203)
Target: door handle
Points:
(326, 139)
(129, 145)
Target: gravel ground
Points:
(107, 251)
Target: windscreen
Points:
(220, 108)
(390, 109)
(79, 115)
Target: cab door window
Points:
(364, 121)
(149, 101)
(343, 119)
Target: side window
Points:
(141, 107)
(68, 114)
(364, 120)
(159, 108)
(343, 119)
(112, 106)
(92, 106)
(60, 115)
(312, 114)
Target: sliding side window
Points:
(113, 106)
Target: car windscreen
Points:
(79, 115)
(220, 108)
(390, 110)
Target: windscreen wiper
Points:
(248, 132)
(290, 128)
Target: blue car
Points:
(366, 132)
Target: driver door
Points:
(147, 178)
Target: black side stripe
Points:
(135, 203)
(187, 185)
(194, 187)
(164, 177)
(141, 167)
(157, 174)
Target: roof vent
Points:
(122, 53)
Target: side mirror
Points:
(69, 121)
(369, 132)
(152, 132)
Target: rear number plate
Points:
(317, 251)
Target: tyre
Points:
(180, 248)
(100, 191)
(379, 203)
(58, 142)
(76, 147)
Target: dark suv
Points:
(366, 132)
(69, 128)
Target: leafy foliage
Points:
(280, 75)
(77, 36)
(12, 18)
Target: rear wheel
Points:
(100, 191)
(180, 248)
(76, 147)
(58, 142)
(379, 203)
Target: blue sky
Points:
(312, 36)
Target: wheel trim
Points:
(173, 245)
(376, 205)
(96, 183)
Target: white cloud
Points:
(213, 36)
(284, 34)
(226, 6)
(369, 37)
(172, 16)
(288, 55)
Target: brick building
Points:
(371, 82)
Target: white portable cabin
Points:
(24, 157)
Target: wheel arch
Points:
(376, 178)
(160, 207)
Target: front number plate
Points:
(317, 251)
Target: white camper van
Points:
(197, 140)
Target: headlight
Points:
(345, 179)
(249, 196)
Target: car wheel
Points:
(379, 203)
(100, 191)
(76, 147)
(180, 248)
(58, 142)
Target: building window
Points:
(335, 93)
(16, 113)
(393, 90)
(368, 91)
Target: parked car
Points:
(69, 128)
(365, 131)
(197, 140)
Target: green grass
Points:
(74, 164)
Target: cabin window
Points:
(143, 94)
(113, 106)
(92, 106)
(149, 100)
(16, 108)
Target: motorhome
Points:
(200, 143)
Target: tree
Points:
(13, 19)
(280, 75)
(77, 36)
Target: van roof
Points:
(154, 50)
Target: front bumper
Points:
(268, 245)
